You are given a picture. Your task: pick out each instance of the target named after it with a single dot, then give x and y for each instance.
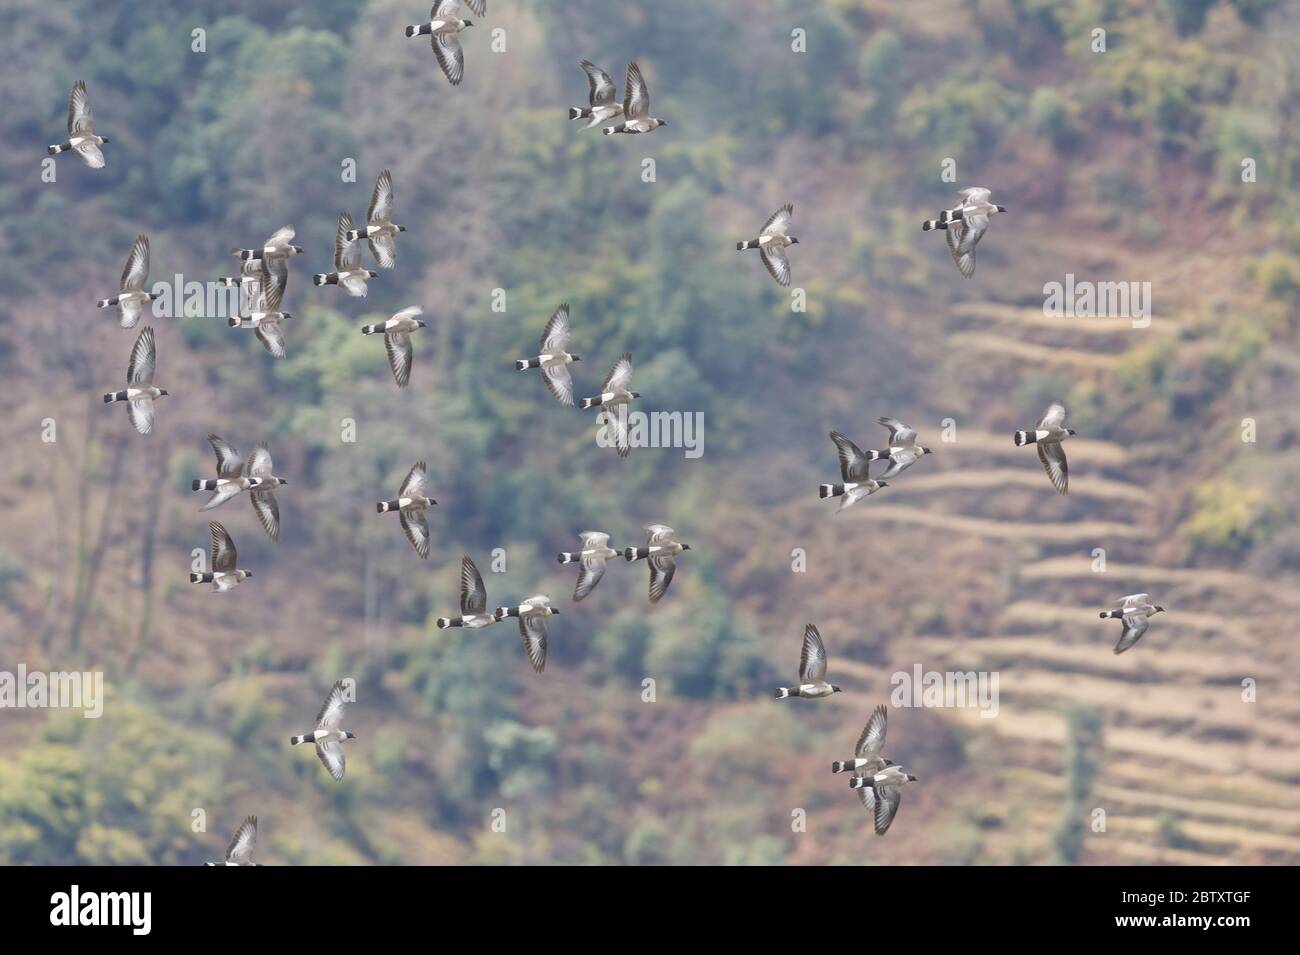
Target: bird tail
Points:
(371, 329)
(295, 740)
(750, 244)
(590, 402)
(945, 217)
(522, 364)
(106, 303)
(579, 112)
(875, 455)
(830, 490)
(783, 693)
(840, 767)
(1025, 437)
(1109, 614)
(636, 553)
(326, 278)
(61, 148)
(611, 130)
(445, 622)
(204, 485)
(234, 321)
(227, 281)
(246, 254)
(114, 396)
(383, 506)
(355, 234)
(858, 782)
(502, 612)
(567, 558)
(200, 578)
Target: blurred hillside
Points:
(1117, 166)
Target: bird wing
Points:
(555, 336)
(416, 526)
(271, 282)
(259, 462)
(601, 88)
(963, 235)
(137, 265)
(451, 57)
(1053, 417)
(616, 424)
(473, 595)
(331, 711)
(636, 96)
(416, 480)
(887, 800)
(620, 376)
(812, 658)
(662, 568)
(1053, 457)
(347, 252)
(281, 237)
(855, 467)
(868, 796)
(900, 435)
(267, 509)
(1134, 626)
(223, 549)
(532, 628)
(400, 356)
(872, 739)
(590, 571)
(777, 262)
(271, 335)
(658, 533)
(381, 200)
(592, 540)
(779, 222)
(330, 752)
(229, 462)
(140, 413)
(478, 6)
(80, 119)
(384, 250)
(241, 846)
(140, 366)
(559, 383)
(89, 151)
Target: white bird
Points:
(397, 341)
(553, 358)
(240, 851)
(81, 134)
(443, 31)
(348, 272)
(661, 547)
(132, 298)
(812, 669)
(636, 106)
(410, 503)
(140, 392)
(263, 313)
(601, 95)
(223, 574)
(327, 735)
(1048, 435)
(881, 794)
(613, 402)
(772, 242)
(232, 475)
(473, 601)
(903, 450)
(867, 757)
(1133, 612)
(965, 225)
(532, 614)
(380, 230)
(595, 551)
(855, 470)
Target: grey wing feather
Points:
(872, 740)
(137, 265)
(855, 467)
(812, 658)
(331, 711)
(662, 569)
(140, 366)
(473, 595)
(223, 553)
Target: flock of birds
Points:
(262, 280)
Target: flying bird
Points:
(397, 341)
(965, 225)
(532, 614)
(867, 758)
(327, 736)
(553, 358)
(473, 601)
(223, 574)
(348, 272)
(772, 242)
(132, 298)
(140, 392)
(235, 475)
(595, 551)
(812, 669)
(240, 851)
(1133, 612)
(380, 230)
(443, 31)
(275, 253)
(903, 450)
(601, 95)
(855, 470)
(613, 402)
(636, 106)
(410, 505)
(81, 134)
(881, 794)
(1048, 435)
(264, 315)
(661, 547)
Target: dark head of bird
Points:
(836, 689)
(911, 778)
(636, 394)
(421, 324)
(248, 575)
(371, 274)
(468, 23)
(297, 249)
(286, 316)
(925, 450)
(350, 735)
(1159, 609)
(1071, 432)
(105, 139)
(162, 392)
(686, 547)
(401, 228)
(555, 612)
(1002, 208)
(882, 484)
(794, 240)
(576, 357)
